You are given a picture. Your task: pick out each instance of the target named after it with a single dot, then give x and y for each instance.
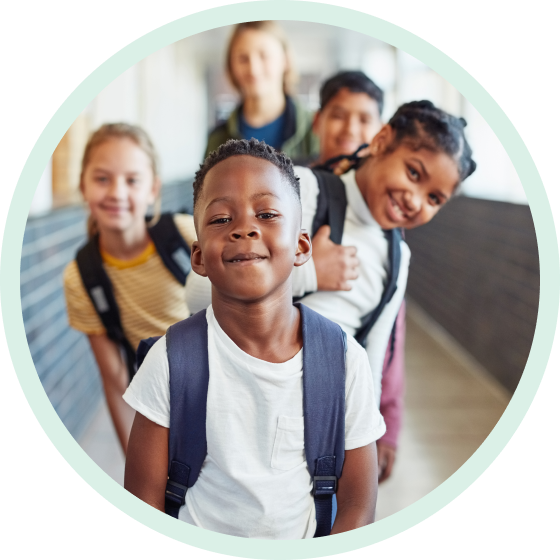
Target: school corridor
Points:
(452, 404)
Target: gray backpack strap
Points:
(100, 290)
(171, 247)
(324, 404)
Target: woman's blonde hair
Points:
(120, 130)
(271, 27)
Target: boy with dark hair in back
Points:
(349, 115)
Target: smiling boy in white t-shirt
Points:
(254, 481)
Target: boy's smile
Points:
(248, 223)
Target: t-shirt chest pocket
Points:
(288, 451)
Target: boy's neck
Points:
(260, 111)
(269, 330)
(125, 245)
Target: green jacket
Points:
(299, 143)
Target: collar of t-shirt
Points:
(245, 361)
(271, 133)
(356, 201)
(143, 257)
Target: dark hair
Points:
(356, 82)
(422, 125)
(252, 148)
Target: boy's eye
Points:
(266, 215)
(434, 198)
(221, 221)
(132, 181)
(101, 179)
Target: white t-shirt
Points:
(348, 307)
(254, 481)
(343, 307)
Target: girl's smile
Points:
(405, 188)
(119, 184)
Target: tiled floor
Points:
(451, 407)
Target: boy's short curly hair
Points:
(252, 148)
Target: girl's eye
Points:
(132, 181)
(101, 179)
(413, 173)
(435, 199)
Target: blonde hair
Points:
(271, 27)
(120, 130)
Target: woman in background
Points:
(260, 67)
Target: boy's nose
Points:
(245, 230)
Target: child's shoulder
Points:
(71, 276)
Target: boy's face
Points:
(249, 230)
(405, 188)
(345, 123)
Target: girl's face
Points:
(119, 184)
(405, 188)
(258, 63)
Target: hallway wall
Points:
(475, 270)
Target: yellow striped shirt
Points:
(148, 296)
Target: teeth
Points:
(397, 209)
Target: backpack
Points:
(331, 210)
(324, 378)
(175, 254)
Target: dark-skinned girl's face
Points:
(405, 188)
(249, 230)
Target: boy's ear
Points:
(197, 261)
(303, 251)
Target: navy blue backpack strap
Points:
(144, 347)
(324, 382)
(187, 353)
(171, 247)
(394, 237)
(100, 290)
(331, 204)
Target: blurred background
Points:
(474, 279)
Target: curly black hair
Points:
(252, 148)
(422, 125)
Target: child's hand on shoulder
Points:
(335, 265)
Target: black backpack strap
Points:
(331, 204)
(324, 382)
(188, 389)
(171, 247)
(100, 290)
(330, 164)
(394, 238)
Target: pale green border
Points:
(319, 13)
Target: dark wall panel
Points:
(475, 270)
